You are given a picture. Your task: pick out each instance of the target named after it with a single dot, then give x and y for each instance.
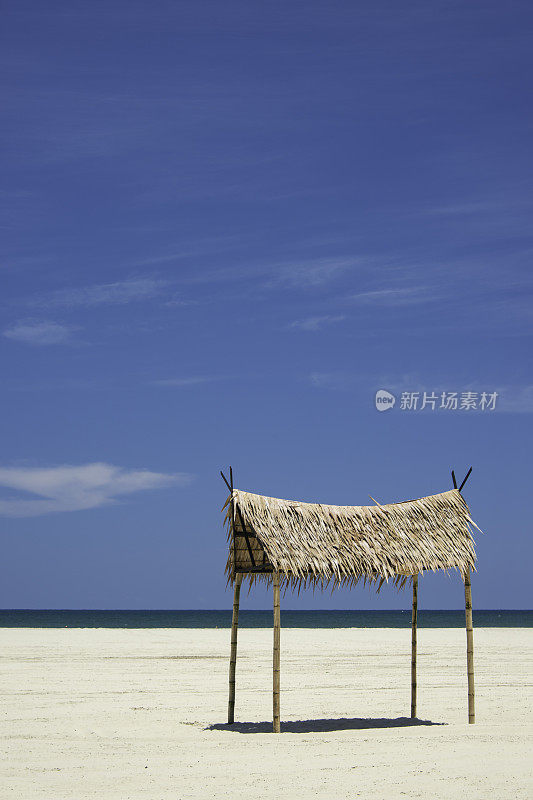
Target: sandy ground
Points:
(129, 714)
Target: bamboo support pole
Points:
(414, 619)
(276, 726)
(469, 649)
(233, 652)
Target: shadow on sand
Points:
(323, 725)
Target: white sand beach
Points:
(119, 714)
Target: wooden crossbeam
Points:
(246, 536)
(255, 569)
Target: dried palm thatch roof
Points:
(312, 543)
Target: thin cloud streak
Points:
(38, 333)
(331, 380)
(194, 380)
(118, 293)
(518, 400)
(77, 488)
(393, 297)
(304, 273)
(315, 323)
(311, 273)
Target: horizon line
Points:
(269, 610)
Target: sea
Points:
(56, 618)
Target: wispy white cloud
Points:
(518, 400)
(301, 273)
(206, 245)
(194, 380)
(38, 332)
(393, 297)
(463, 209)
(509, 202)
(309, 273)
(330, 380)
(315, 323)
(177, 301)
(76, 488)
(118, 293)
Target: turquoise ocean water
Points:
(258, 619)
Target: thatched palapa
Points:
(293, 544)
(312, 543)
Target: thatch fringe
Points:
(318, 545)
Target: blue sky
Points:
(225, 227)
